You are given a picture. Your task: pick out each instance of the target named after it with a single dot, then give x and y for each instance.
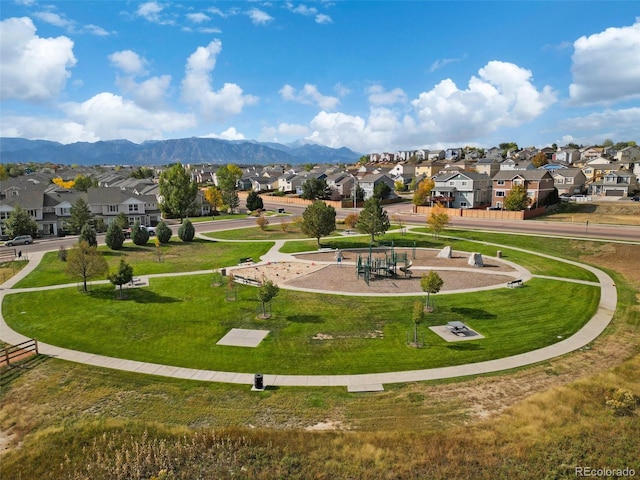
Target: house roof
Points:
(526, 174)
(109, 196)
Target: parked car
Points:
(636, 199)
(20, 240)
(151, 231)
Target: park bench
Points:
(247, 281)
(514, 283)
(245, 260)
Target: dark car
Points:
(636, 199)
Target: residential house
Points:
(453, 154)
(628, 154)
(488, 165)
(597, 167)
(404, 169)
(369, 182)
(538, 183)
(264, 184)
(516, 164)
(493, 152)
(591, 153)
(429, 168)
(30, 197)
(619, 183)
(342, 183)
(462, 189)
(108, 202)
(436, 155)
(566, 155)
(288, 182)
(569, 180)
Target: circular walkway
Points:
(361, 382)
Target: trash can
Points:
(223, 272)
(258, 382)
(499, 254)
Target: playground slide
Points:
(406, 269)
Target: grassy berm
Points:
(65, 421)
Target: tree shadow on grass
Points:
(474, 313)
(137, 295)
(305, 319)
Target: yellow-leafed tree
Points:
(64, 183)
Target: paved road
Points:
(363, 382)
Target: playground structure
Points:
(392, 265)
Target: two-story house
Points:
(618, 183)
(108, 202)
(570, 181)
(429, 168)
(461, 189)
(369, 182)
(538, 183)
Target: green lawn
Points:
(178, 320)
(177, 256)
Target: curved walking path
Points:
(360, 382)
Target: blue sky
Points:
(372, 76)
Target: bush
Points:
(163, 232)
(62, 254)
(623, 402)
(139, 235)
(186, 232)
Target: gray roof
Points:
(526, 174)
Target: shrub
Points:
(262, 222)
(163, 232)
(186, 232)
(139, 235)
(623, 402)
(62, 254)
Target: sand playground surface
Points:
(321, 271)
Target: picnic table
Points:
(457, 327)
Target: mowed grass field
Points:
(65, 420)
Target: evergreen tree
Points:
(122, 221)
(80, 215)
(315, 189)
(114, 238)
(163, 232)
(88, 234)
(373, 218)
(186, 232)
(139, 235)
(381, 190)
(254, 202)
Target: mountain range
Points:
(163, 152)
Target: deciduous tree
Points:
(516, 199)
(262, 222)
(85, 262)
(431, 283)
(318, 220)
(20, 223)
(437, 221)
(177, 190)
(373, 218)
(122, 276)
(213, 196)
(422, 194)
(267, 292)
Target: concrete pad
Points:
(372, 387)
(443, 332)
(241, 337)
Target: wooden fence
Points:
(15, 353)
(486, 214)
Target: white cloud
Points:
(45, 128)
(259, 17)
(129, 62)
(619, 125)
(438, 64)
(107, 117)
(153, 12)
(229, 134)
(323, 19)
(197, 17)
(604, 69)
(32, 68)
(149, 94)
(96, 30)
(303, 10)
(502, 95)
(309, 95)
(197, 89)
(55, 19)
(379, 96)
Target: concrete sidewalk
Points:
(593, 328)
